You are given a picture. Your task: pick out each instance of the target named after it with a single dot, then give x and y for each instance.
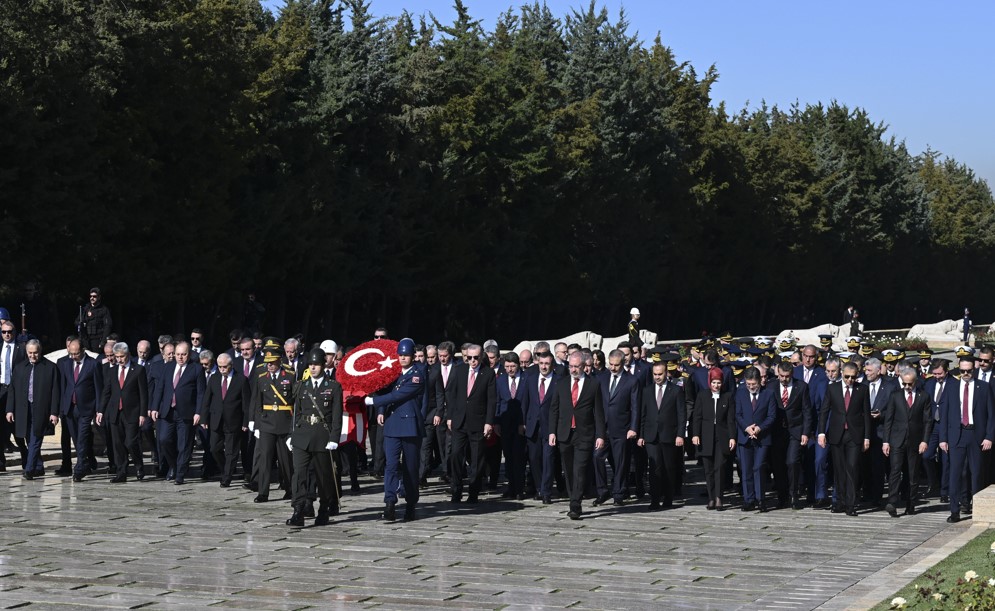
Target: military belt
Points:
(278, 408)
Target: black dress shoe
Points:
(456, 498)
(251, 486)
(851, 512)
(140, 476)
(710, 505)
(944, 499)
(472, 499)
(322, 518)
(520, 496)
(891, 510)
(547, 500)
(77, 478)
(354, 489)
(287, 496)
(602, 499)
(225, 483)
(179, 482)
(260, 499)
(836, 509)
(297, 519)
(953, 518)
(783, 503)
(910, 510)
(822, 503)
(389, 512)
(38, 473)
(618, 502)
(409, 512)
(63, 471)
(119, 478)
(762, 506)
(573, 515)
(27, 475)
(309, 510)
(655, 506)
(797, 505)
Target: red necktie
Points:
(909, 399)
(542, 390)
(784, 395)
(846, 406)
(246, 368)
(473, 378)
(120, 381)
(75, 379)
(574, 393)
(964, 418)
(224, 387)
(176, 380)
(753, 401)
(514, 387)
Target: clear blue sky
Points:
(925, 69)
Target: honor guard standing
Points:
(634, 328)
(317, 426)
(272, 421)
(401, 413)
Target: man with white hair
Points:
(33, 404)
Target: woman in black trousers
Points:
(713, 427)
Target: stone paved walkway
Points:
(154, 545)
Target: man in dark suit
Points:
(620, 394)
(82, 388)
(33, 404)
(470, 418)
(434, 440)
(907, 427)
(844, 425)
(179, 394)
(879, 389)
(793, 427)
(400, 413)
(816, 460)
(225, 411)
(577, 426)
(937, 462)
(967, 428)
(10, 355)
(535, 407)
(662, 423)
(124, 406)
(510, 427)
(445, 395)
(755, 415)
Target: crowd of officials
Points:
(801, 425)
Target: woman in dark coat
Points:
(714, 433)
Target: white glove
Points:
(368, 401)
(331, 445)
(256, 434)
(290, 445)
(252, 426)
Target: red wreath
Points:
(368, 367)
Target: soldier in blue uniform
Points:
(401, 413)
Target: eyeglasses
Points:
(94, 296)
(379, 337)
(846, 377)
(984, 360)
(195, 339)
(908, 384)
(966, 372)
(473, 358)
(7, 331)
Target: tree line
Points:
(446, 180)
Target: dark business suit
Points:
(81, 395)
(816, 457)
(31, 418)
(937, 462)
(225, 414)
(905, 428)
(752, 452)
(714, 424)
(964, 442)
(576, 427)
(469, 414)
(15, 354)
(297, 366)
(542, 456)
(123, 406)
(845, 429)
(177, 407)
(621, 416)
(874, 471)
(793, 420)
(659, 428)
(510, 417)
(434, 441)
(445, 395)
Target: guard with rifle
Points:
(317, 427)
